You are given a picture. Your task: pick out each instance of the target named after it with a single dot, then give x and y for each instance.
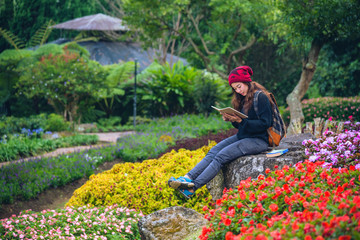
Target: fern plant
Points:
(12, 39)
(39, 37)
(117, 75)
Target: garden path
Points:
(104, 139)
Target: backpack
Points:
(278, 130)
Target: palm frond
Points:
(74, 47)
(12, 39)
(41, 35)
(120, 73)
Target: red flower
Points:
(308, 237)
(261, 237)
(205, 208)
(218, 202)
(242, 194)
(287, 200)
(262, 186)
(267, 171)
(239, 205)
(273, 207)
(227, 222)
(231, 212)
(229, 236)
(345, 237)
(252, 197)
(295, 226)
(339, 190)
(343, 205)
(286, 188)
(262, 196)
(261, 227)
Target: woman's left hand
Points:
(232, 118)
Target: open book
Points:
(230, 111)
(276, 152)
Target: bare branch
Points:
(196, 25)
(237, 31)
(242, 48)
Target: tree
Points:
(217, 32)
(65, 79)
(313, 24)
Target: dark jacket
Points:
(254, 126)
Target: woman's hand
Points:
(231, 118)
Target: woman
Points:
(251, 138)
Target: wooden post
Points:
(327, 124)
(308, 128)
(319, 122)
(295, 126)
(340, 127)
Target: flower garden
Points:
(157, 73)
(318, 198)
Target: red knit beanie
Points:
(240, 74)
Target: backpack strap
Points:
(256, 107)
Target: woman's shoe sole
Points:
(181, 185)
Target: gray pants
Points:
(222, 153)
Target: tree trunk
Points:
(308, 70)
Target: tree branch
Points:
(196, 25)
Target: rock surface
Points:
(175, 223)
(254, 165)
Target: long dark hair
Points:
(240, 102)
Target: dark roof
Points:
(116, 52)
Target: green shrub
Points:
(21, 146)
(14, 125)
(143, 186)
(56, 123)
(167, 89)
(109, 122)
(210, 90)
(337, 108)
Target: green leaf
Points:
(12, 39)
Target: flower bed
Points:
(305, 202)
(143, 186)
(111, 222)
(25, 180)
(336, 150)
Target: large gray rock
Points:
(175, 223)
(254, 165)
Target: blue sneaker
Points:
(186, 193)
(181, 182)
